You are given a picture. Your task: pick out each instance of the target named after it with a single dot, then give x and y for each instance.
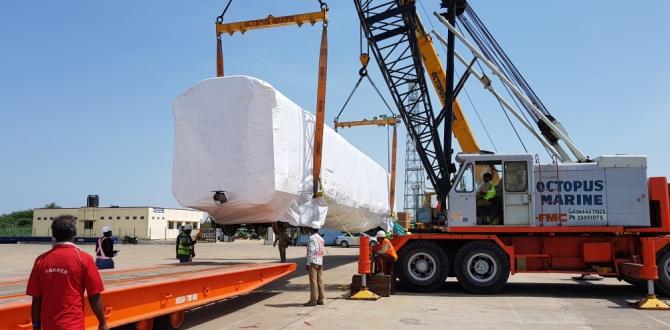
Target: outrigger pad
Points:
(364, 294)
(650, 302)
(587, 277)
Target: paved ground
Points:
(527, 302)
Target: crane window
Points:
(516, 176)
(467, 181)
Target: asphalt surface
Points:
(547, 301)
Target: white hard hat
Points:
(315, 225)
(187, 227)
(380, 233)
(106, 229)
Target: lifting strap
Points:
(394, 147)
(362, 73)
(219, 47)
(320, 111)
(219, 56)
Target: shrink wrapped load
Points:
(239, 135)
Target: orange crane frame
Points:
(142, 295)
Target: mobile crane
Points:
(579, 215)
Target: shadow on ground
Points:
(619, 294)
(224, 307)
(330, 262)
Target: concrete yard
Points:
(528, 302)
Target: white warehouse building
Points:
(143, 222)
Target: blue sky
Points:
(86, 86)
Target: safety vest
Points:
(99, 252)
(491, 193)
(388, 249)
(183, 249)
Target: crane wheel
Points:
(172, 321)
(482, 267)
(663, 282)
(423, 266)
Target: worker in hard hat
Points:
(314, 265)
(104, 250)
(186, 245)
(385, 257)
(176, 247)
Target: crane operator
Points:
(486, 191)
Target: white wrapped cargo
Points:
(239, 135)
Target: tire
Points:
(344, 244)
(173, 321)
(423, 266)
(482, 267)
(663, 263)
(147, 324)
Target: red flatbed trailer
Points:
(158, 294)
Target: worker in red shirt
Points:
(58, 280)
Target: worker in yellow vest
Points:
(487, 190)
(186, 245)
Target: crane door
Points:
(516, 195)
(462, 198)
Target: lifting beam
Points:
(271, 21)
(381, 122)
(264, 23)
(436, 72)
(390, 121)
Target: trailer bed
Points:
(136, 294)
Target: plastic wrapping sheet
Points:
(239, 135)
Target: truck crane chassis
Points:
(457, 240)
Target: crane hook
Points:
(365, 59)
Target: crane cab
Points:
(608, 191)
(492, 189)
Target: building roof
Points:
(116, 207)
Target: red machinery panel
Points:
(597, 252)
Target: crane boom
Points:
(552, 127)
(389, 29)
(431, 61)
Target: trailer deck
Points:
(142, 294)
